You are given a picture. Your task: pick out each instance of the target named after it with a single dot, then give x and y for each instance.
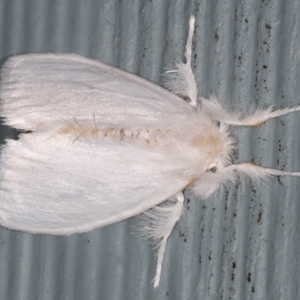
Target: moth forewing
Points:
(102, 145)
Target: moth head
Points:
(224, 156)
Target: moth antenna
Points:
(261, 116)
(257, 173)
(209, 183)
(216, 111)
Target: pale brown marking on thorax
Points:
(211, 143)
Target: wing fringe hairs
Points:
(109, 145)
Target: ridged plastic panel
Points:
(241, 244)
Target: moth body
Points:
(100, 145)
(198, 143)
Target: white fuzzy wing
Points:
(50, 88)
(55, 186)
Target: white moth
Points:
(100, 145)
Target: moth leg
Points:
(174, 215)
(182, 80)
(216, 111)
(210, 182)
(192, 91)
(160, 222)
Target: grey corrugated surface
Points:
(242, 244)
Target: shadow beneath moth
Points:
(105, 145)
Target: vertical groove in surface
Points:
(241, 244)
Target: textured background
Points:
(243, 243)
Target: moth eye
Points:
(187, 99)
(218, 124)
(213, 169)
